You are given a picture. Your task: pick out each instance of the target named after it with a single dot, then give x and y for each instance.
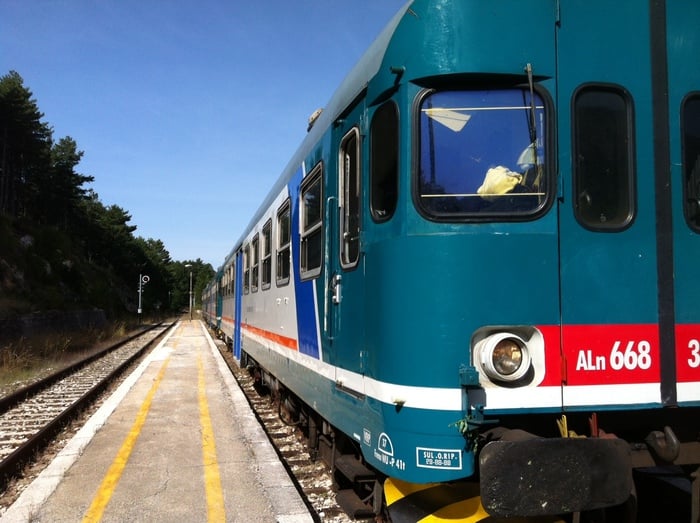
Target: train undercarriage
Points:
(663, 467)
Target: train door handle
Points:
(337, 288)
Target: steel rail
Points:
(14, 398)
(12, 464)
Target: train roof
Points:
(415, 42)
(352, 86)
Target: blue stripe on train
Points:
(306, 312)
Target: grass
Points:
(27, 359)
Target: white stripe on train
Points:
(450, 399)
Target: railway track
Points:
(313, 479)
(30, 418)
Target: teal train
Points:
(476, 285)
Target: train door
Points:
(610, 257)
(219, 304)
(682, 49)
(238, 295)
(345, 287)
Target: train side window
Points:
(311, 224)
(690, 123)
(246, 269)
(603, 158)
(284, 235)
(254, 263)
(225, 281)
(384, 162)
(349, 162)
(266, 255)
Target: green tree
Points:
(155, 265)
(25, 145)
(63, 190)
(106, 234)
(156, 251)
(202, 273)
(82, 252)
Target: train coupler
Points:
(664, 445)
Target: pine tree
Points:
(25, 145)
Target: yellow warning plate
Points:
(441, 502)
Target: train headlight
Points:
(503, 356)
(507, 357)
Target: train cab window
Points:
(349, 162)
(384, 162)
(603, 153)
(482, 155)
(246, 269)
(311, 224)
(254, 263)
(266, 277)
(691, 159)
(284, 235)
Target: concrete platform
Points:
(176, 442)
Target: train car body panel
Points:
(219, 306)
(227, 324)
(447, 39)
(306, 293)
(345, 268)
(682, 42)
(530, 254)
(237, 302)
(211, 302)
(608, 239)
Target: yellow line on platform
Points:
(109, 483)
(212, 479)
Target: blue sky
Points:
(187, 111)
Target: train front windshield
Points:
(482, 154)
